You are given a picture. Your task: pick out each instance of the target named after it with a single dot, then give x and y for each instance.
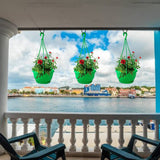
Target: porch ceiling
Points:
(30, 14)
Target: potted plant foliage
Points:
(86, 65)
(44, 65)
(128, 64)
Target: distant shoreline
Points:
(74, 96)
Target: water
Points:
(94, 105)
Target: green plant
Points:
(86, 64)
(127, 64)
(44, 65)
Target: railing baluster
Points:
(156, 122)
(133, 130)
(48, 121)
(14, 130)
(60, 139)
(109, 129)
(97, 140)
(25, 128)
(121, 135)
(85, 139)
(73, 138)
(37, 121)
(145, 147)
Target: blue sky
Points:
(67, 46)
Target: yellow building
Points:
(77, 90)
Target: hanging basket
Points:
(44, 65)
(127, 64)
(43, 79)
(86, 64)
(85, 79)
(128, 78)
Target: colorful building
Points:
(95, 90)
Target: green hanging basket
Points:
(43, 79)
(128, 64)
(85, 64)
(128, 78)
(44, 64)
(85, 79)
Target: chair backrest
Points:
(6, 145)
(155, 154)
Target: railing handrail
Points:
(81, 115)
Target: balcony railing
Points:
(117, 138)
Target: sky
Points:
(66, 45)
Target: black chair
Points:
(127, 153)
(38, 153)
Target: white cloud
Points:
(24, 48)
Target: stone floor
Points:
(6, 157)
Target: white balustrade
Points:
(121, 136)
(14, 128)
(145, 123)
(73, 138)
(85, 139)
(25, 127)
(109, 135)
(133, 131)
(37, 121)
(48, 121)
(97, 140)
(85, 117)
(61, 139)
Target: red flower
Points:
(94, 60)
(40, 61)
(123, 61)
(140, 57)
(133, 52)
(128, 57)
(92, 52)
(81, 61)
(45, 57)
(98, 57)
(52, 60)
(50, 52)
(56, 57)
(87, 57)
(136, 60)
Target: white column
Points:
(7, 30)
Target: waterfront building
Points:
(144, 89)
(26, 89)
(39, 90)
(78, 91)
(153, 90)
(138, 92)
(95, 90)
(113, 91)
(127, 92)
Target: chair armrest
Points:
(119, 153)
(143, 139)
(25, 136)
(147, 140)
(44, 153)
